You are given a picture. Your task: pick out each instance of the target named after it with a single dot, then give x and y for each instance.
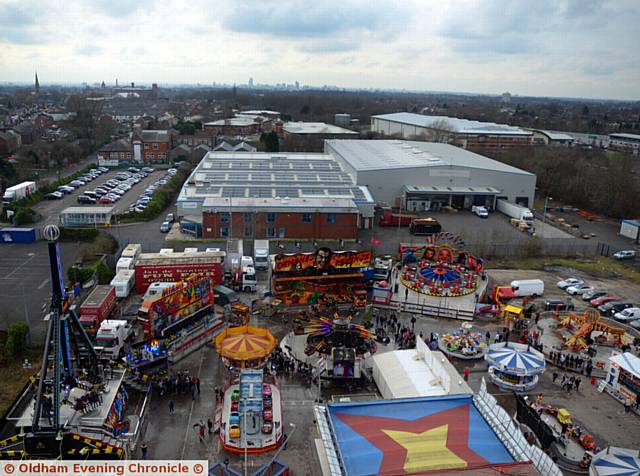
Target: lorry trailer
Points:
(515, 211)
(391, 218)
(97, 307)
(18, 191)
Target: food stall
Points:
(623, 377)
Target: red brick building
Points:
(151, 146)
(193, 140)
(111, 155)
(240, 125)
(271, 218)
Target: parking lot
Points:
(50, 209)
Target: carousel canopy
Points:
(517, 358)
(245, 343)
(616, 462)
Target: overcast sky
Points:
(575, 48)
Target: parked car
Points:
(104, 170)
(627, 315)
(172, 171)
(603, 300)
(65, 189)
(565, 283)
(165, 227)
(86, 200)
(635, 324)
(610, 308)
(267, 427)
(92, 194)
(133, 170)
(148, 170)
(77, 183)
(579, 289)
(558, 305)
(625, 254)
(106, 199)
(594, 294)
(234, 431)
(54, 196)
(169, 218)
(118, 191)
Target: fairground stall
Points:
(463, 343)
(320, 277)
(515, 367)
(623, 377)
(245, 346)
(250, 413)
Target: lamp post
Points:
(284, 443)
(544, 213)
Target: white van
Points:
(527, 287)
(627, 315)
(124, 264)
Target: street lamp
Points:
(544, 213)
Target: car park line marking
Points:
(43, 283)
(32, 255)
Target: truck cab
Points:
(249, 281)
(382, 268)
(111, 337)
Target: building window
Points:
(248, 217)
(331, 218)
(271, 232)
(162, 156)
(248, 232)
(146, 146)
(271, 217)
(128, 155)
(155, 146)
(306, 218)
(281, 233)
(149, 156)
(224, 217)
(224, 231)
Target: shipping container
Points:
(17, 235)
(97, 307)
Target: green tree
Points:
(270, 141)
(17, 339)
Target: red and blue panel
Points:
(417, 435)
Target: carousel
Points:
(515, 367)
(464, 343)
(440, 270)
(245, 346)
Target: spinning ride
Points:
(245, 346)
(340, 342)
(515, 367)
(464, 343)
(439, 269)
(583, 325)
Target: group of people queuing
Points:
(571, 362)
(281, 363)
(179, 383)
(390, 325)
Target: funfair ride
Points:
(73, 409)
(464, 343)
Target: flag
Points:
(375, 241)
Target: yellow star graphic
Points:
(428, 450)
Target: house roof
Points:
(456, 125)
(117, 146)
(154, 136)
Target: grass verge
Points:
(14, 378)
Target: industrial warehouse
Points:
(463, 132)
(331, 195)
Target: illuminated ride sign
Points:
(322, 259)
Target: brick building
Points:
(115, 153)
(9, 142)
(270, 218)
(193, 140)
(151, 146)
(310, 136)
(238, 126)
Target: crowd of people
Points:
(571, 362)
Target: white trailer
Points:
(19, 191)
(515, 211)
(123, 282)
(132, 250)
(124, 264)
(261, 254)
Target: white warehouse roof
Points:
(459, 126)
(364, 155)
(314, 128)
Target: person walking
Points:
(143, 449)
(577, 383)
(171, 406)
(413, 323)
(555, 377)
(198, 384)
(210, 425)
(406, 294)
(201, 429)
(487, 336)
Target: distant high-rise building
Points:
(37, 83)
(250, 82)
(103, 85)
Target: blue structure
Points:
(17, 235)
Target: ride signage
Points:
(322, 259)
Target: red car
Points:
(267, 427)
(603, 300)
(105, 200)
(267, 415)
(234, 406)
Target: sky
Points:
(567, 48)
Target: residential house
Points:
(151, 146)
(112, 155)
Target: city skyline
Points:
(553, 49)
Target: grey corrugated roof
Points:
(459, 126)
(154, 136)
(364, 155)
(315, 128)
(622, 135)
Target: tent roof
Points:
(627, 361)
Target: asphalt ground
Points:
(25, 284)
(50, 209)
